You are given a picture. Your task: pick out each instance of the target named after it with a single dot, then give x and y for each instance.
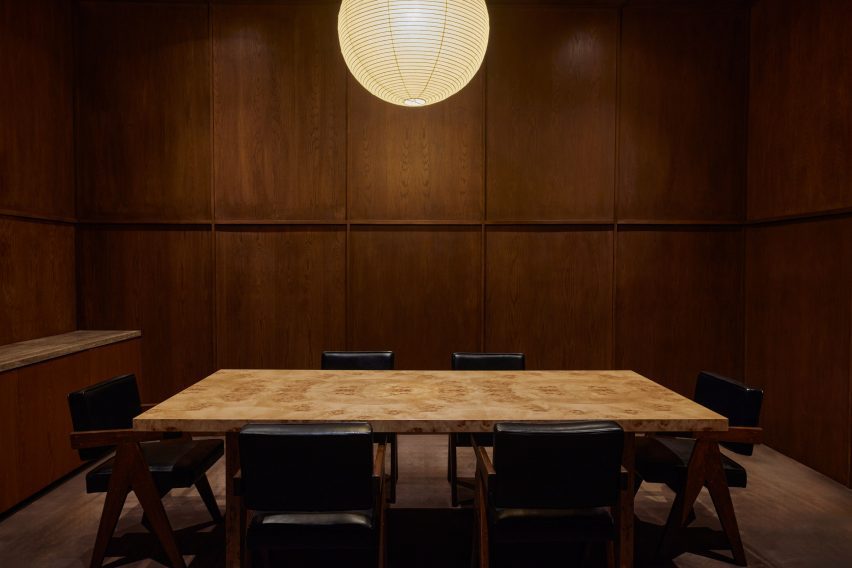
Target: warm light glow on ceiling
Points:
(413, 52)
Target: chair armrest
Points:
(96, 438)
(148, 406)
(379, 462)
(736, 434)
(484, 467)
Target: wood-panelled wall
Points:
(246, 203)
(799, 235)
(37, 284)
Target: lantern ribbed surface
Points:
(413, 52)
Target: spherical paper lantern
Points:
(413, 52)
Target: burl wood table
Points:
(426, 402)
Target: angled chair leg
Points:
(130, 473)
(203, 487)
(685, 498)
(721, 495)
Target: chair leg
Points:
(202, 484)
(684, 499)
(113, 504)
(721, 495)
(130, 473)
(394, 467)
(452, 472)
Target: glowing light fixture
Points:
(413, 52)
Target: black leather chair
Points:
(111, 406)
(666, 460)
(476, 362)
(316, 492)
(549, 485)
(368, 361)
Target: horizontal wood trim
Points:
(23, 216)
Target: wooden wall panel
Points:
(417, 291)
(549, 295)
(798, 320)
(159, 280)
(281, 296)
(36, 146)
(37, 288)
(682, 135)
(800, 113)
(143, 112)
(279, 87)
(679, 304)
(424, 163)
(551, 112)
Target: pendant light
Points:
(413, 52)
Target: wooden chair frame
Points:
(705, 470)
(130, 473)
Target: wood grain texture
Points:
(42, 419)
(143, 112)
(159, 280)
(37, 280)
(798, 319)
(420, 402)
(279, 91)
(24, 353)
(800, 112)
(36, 146)
(9, 439)
(424, 163)
(684, 85)
(416, 291)
(549, 295)
(551, 112)
(280, 295)
(679, 304)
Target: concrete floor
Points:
(789, 516)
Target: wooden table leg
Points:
(234, 529)
(625, 503)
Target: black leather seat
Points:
(112, 405)
(368, 361)
(476, 362)
(314, 490)
(666, 460)
(551, 484)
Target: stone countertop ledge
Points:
(15, 355)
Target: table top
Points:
(15, 355)
(427, 401)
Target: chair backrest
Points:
(488, 361)
(734, 400)
(557, 466)
(307, 467)
(357, 360)
(108, 405)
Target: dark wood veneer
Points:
(279, 91)
(280, 296)
(143, 111)
(679, 303)
(551, 112)
(549, 295)
(159, 280)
